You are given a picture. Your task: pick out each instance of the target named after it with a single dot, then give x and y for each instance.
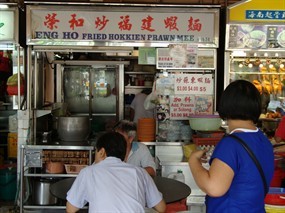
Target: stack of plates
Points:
(146, 129)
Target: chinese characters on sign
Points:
(182, 106)
(123, 26)
(265, 14)
(194, 84)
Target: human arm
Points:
(70, 208)
(217, 180)
(160, 207)
(150, 171)
(132, 114)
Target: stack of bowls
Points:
(146, 129)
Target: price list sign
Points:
(196, 84)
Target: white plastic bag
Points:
(149, 102)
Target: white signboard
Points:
(7, 25)
(181, 107)
(139, 25)
(196, 84)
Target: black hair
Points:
(114, 144)
(240, 101)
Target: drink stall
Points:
(79, 55)
(255, 42)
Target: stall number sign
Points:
(196, 84)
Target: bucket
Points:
(8, 184)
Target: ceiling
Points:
(223, 3)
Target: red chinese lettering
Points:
(51, 21)
(207, 80)
(76, 22)
(187, 99)
(125, 23)
(193, 80)
(176, 99)
(171, 23)
(186, 80)
(194, 25)
(100, 23)
(200, 80)
(178, 80)
(146, 24)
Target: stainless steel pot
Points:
(42, 195)
(73, 128)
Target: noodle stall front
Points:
(79, 54)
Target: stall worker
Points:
(137, 109)
(137, 153)
(233, 182)
(111, 185)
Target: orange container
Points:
(146, 129)
(12, 145)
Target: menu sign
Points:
(256, 36)
(194, 84)
(182, 106)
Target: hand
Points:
(199, 155)
(279, 149)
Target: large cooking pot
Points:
(41, 193)
(73, 128)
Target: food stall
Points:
(78, 55)
(254, 51)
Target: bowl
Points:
(205, 122)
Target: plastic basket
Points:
(73, 169)
(205, 141)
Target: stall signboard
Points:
(262, 11)
(8, 22)
(62, 25)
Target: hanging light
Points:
(281, 65)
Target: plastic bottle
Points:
(177, 176)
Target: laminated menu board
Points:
(252, 36)
(181, 95)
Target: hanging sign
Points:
(121, 24)
(177, 56)
(194, 84)
(7, 27)
(182, 106)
